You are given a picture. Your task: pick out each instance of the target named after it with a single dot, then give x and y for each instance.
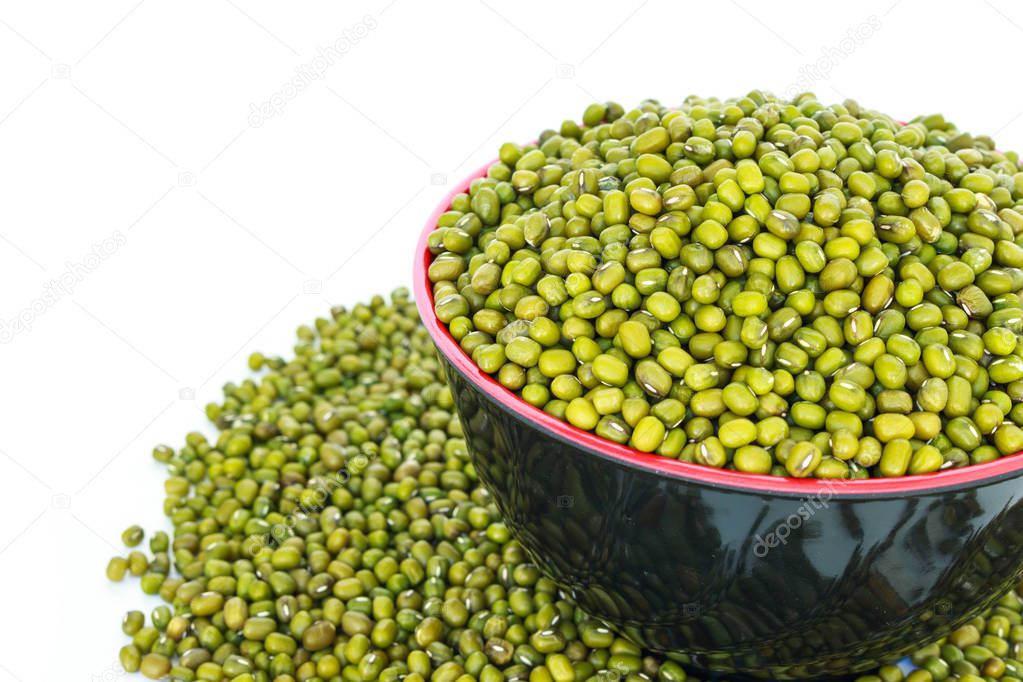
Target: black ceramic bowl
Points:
(732, 572)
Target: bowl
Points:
(731, 572)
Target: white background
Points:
(133, 121)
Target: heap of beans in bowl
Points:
(770, 286)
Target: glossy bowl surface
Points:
(731, 572)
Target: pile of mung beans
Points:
(334, 529)
(775, 287)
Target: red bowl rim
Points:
(450, 349)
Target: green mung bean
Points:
(875, 265)
(403, 568)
